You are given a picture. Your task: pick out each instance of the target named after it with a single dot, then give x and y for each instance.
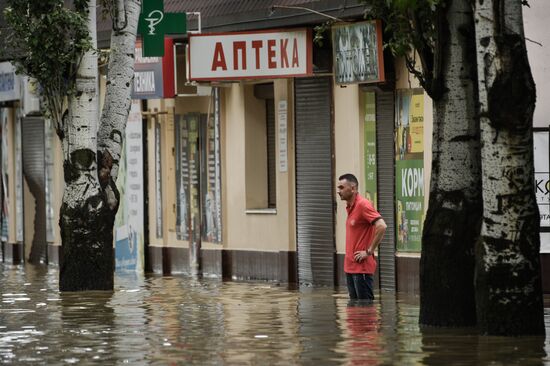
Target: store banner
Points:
(542, 185)
(154, 76)
(129, 221)
(10, 83)
(4, 214)
(409, 169)
(249, 55)
(357, 52)
(371, 188)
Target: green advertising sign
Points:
(154, 24)
(409, 181)
(370, 148)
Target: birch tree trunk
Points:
(508, 278)
(85, 259)
(454, 212)
(119, 87)
(91, 200)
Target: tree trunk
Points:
(84, 256)
(508, 278)
(91, 199)
(454, 212)
(119, 87)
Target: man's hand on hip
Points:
(360, 255)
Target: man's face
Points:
(345, 189)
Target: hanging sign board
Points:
(250, 55)
(154, 76)
(154, 24)
(357, 51)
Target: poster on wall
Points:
(542, 185)
(282, 113)
(129, 221)
(409, 169)
(5, 159)
(371, 188)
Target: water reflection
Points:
(87, 320)
(362, 326)
(178, 320)
(318, 331)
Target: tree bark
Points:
(83, 256)
(454, 212)
(91, 199)
(508, 278)
(119, 87)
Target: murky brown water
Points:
(181, 321)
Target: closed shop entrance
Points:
(315, 195)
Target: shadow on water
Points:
(466, 347)
(157, 320)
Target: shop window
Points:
(261, 189)
(198, 174)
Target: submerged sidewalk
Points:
(181, 321)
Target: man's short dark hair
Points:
(350, 178)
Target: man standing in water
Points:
(364, 231)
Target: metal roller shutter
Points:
(271, 158)
(34, 172)
(314, 181)
(386, 183)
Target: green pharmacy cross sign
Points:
(154, 24)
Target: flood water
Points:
(182, 321)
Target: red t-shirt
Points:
(359, 233)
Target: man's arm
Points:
(379, 230)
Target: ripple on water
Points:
(177, 320)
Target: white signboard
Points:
(282, 118)
(9, 82)
(130, 229)
(542, 187)
(4, 213)
(260, 54)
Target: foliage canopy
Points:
(48, 40)
(412, 28)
